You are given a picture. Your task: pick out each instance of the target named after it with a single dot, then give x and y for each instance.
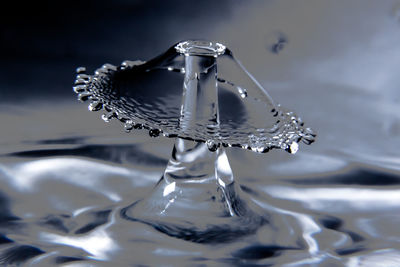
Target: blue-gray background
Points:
(336, 63)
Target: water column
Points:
(200, 96)
(197, 195)
(191, 162)
(199, 106)
(197, 199)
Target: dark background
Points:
(333, 62)
(42, 42)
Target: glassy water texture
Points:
(61, 198)
(61, 202)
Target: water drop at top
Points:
(199, 47)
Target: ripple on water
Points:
(350, 223)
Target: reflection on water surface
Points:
(61, 199)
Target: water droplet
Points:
(259, 149)
(105, 118)
(83, 76)
(308, 136)
(256, 144)
(80, 81)
(128, 126)
(293, 148)
(212, 145)
(84, 96)
(95, 106)
(242, 92)
(80, 70)
(126, 63)
(284, 146)
(100, 71)
(154, 132)
(310, 132)
(79, 88)
(108, 116)
(109, 67)
(280, 130)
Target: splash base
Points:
(197, 199)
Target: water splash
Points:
(197, 91)
(148, 95)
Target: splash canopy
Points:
(198, 91)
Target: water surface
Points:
(61, 197)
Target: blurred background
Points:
(335, 63)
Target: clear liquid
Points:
(61, 202)
(149, 95)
